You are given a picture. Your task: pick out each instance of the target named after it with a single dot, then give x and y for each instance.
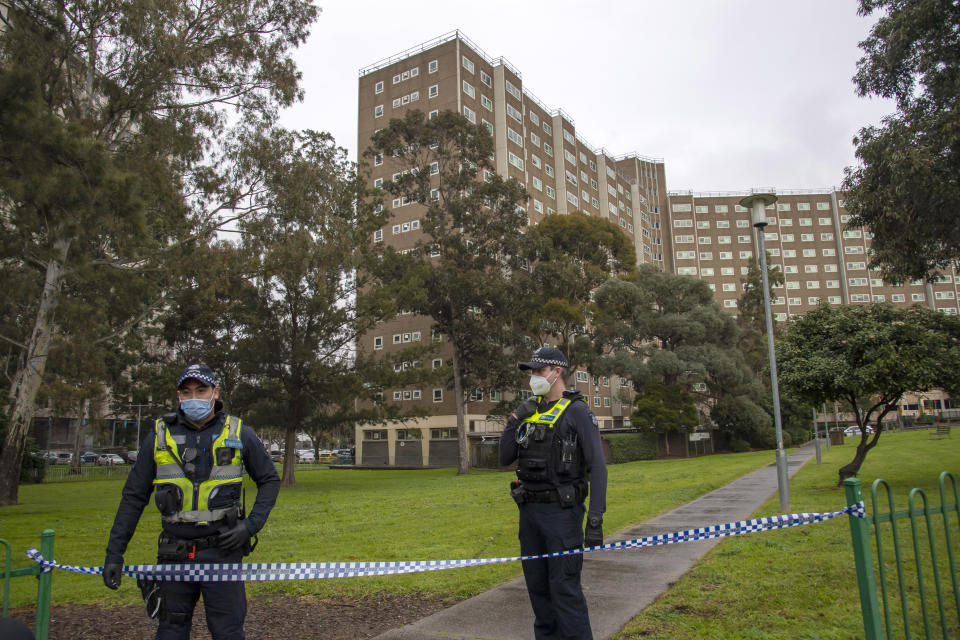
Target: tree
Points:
(109, 113)
(306, 299)
(905, 187)
(869, 356)
(753, 344)
(460, 270)
(660, 327)
(570, 256)
(665, 408)
(752, 319)
(664, 329)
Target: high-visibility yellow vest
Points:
(196, 494)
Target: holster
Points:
(517, 492)
(152, 596)
(568, 495)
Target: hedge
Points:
(627, 447)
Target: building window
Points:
(438, 395)
(378, 235)
(433, 91)
(469, 90)
(378, 111)
(379, 87)
(470, 114)
(467, 64)
(432, 66)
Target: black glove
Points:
(235, 537)
(112, 574)
(526, 409)
(593, 534)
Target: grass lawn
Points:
(344, 515)
(801, 583)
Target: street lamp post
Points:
(139, 408)
(756, 203)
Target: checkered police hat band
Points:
(552, 363)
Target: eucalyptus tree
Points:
(109, 117)
(460, 272)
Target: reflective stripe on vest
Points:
(170, 471)
(550, 417)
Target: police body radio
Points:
(568, 454)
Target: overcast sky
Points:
(732, 94)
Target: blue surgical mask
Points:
(196, 409)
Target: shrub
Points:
(627, 447)
(33, 468)
(739, 446)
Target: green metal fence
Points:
(929, 537)
(44, 582)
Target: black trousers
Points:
(225, 603)
(553, 584)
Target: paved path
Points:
(618, 584)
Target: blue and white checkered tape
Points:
(268, 571)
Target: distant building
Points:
(705, 235)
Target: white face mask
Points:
(540, 386)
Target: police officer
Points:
(555, 437)
(193, 463)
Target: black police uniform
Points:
(225, 602)
(548, 524)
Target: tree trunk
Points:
(76, 464)
(288, 479)
(26, 380)
(851, 469)
(463, 454)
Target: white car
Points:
(306, 455)
(854, 430)
(109, 460)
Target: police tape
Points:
(269, 571)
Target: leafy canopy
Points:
(905, 187)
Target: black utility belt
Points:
(566, 495)
(170, 548)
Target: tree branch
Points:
(13, 342)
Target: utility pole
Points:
(756, 203)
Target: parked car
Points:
(131, 457)
(50, 457)
(64, 458)
(109, 460)
(327, 457)
(276, 456)
(306, 456)
(853, 430)
(89, 457)
(345, 456)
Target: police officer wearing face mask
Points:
(193, 463)
(555, 438)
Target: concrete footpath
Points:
(618, 584)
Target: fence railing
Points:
(928, 538)
(44, 583)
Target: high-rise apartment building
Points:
(706, 235)
(806, 237)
